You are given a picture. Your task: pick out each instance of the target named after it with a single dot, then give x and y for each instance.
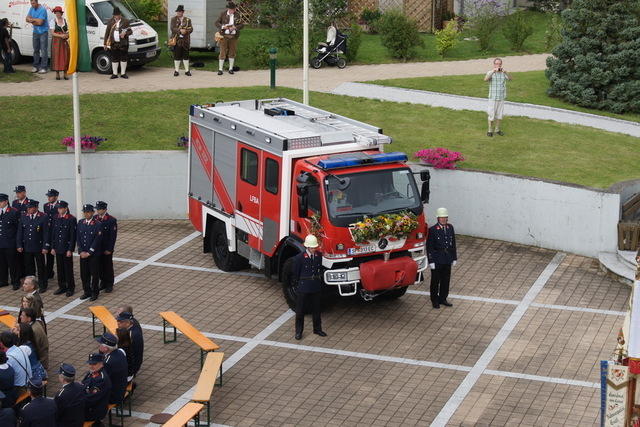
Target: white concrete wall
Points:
(136, 184)
(534, 212)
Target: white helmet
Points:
(442, 213)
(311, 241)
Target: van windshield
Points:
(104, 10)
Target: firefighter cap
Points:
(442, 213)
(310, 241)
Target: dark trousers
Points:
(49, 260)
(315, 300)
(66, 280)
(20, 265)
(8, 267)
(8, 67)
(33, 261)
(90, 275)
(440, 278)
(119, 53)
(180, 52)
(106, 271)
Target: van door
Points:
(248, 184)
(270, 202)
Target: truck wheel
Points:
(396, 293)
(288, 285)
(225, 260)
(102, 62)
(17, 57)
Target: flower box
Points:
(83, 150)
(88, 144)
(393, 227)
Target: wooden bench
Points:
(206, 381)
(101, 313)
(128, 396)
(205, 344)
(8, 320)
(190, 411)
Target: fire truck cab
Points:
(265, 173)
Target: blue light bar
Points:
(396, 156)
(339, 163)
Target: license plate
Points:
(361, 250)
(151, 54)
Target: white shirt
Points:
(231, 23)
(19, 361)
(116, 33)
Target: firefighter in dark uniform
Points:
(71, 398)
(63, 243)
(33, 242)
(442, 255)
(97, 388)
(9, 222)
(20, 203)
(109, 236)
(307, 274)
(126, 321)
(41, 411)
(115, 365)
(88, 238)
(51, 210)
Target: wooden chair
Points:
(190, 411)
(207, 380)
(205, 344)
(101, 313)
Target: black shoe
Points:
(93, 297)
(436, 305)
(230, 71)
(500, 133)
(42, 289)
(298, 336)
(108, 290)
(57, 77)
(101, 287)
(220, 72)
(70, 293)
(50, 276)
(60, 291)
(66, 78)
(124, 76)
(320, 333)
(113, 76)
(446, 303)
(176, 74)
(188, 73)
(489, 133)
(85, 296)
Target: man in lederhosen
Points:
(442, 255)
(229, 25)
(307, 273)
(51, 209)
(116, 40)
(181, 30)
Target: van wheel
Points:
(225, 260)
(17, 57)
(101, 62)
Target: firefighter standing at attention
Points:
(307, 274)
(441, 251)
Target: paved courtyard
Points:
(520, 346)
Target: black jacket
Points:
(97, 389)
(115, 363)
(441, 244)
(40, 412)
(70, 401)
(307, 271)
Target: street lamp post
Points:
(305, 54)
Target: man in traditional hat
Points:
(89, 239)
(116, 41)
(181, 30)
(63, 243)
(40, 411)
(229, 24)
(71, 398)
(97, 388)
(51, 210)
(306, 272)
(442, 255)
(33, 242)
(9, 222)
(109, 235)
(115, 364)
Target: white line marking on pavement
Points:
(542, 378)
(64, 309)
(490, 352)
(205, 269)
(470, 298)
(133, 261)
(583, 309)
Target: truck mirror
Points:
(424, 194)
(425, 175)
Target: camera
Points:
(500, 69)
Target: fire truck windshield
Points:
(371, 193)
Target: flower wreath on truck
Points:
(394, 226)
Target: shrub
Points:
(325, 12)
(147, 10)
(516, 29)
(447, 38)
(440, 158)
(368, 16)
(484, 17)
(353, 42)
(399, 34)
(259, 53)
(597, 63)
(286, 18)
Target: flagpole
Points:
(305, 54)
(77, 145)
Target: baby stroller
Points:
(330, 51)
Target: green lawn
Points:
(530, 87)
(536, 148)
(18, 77)
(371, 50)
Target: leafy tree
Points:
(597, 64)
(353, 42)
(516, 29)
(447, 38)
(399, 34)
(484, 19)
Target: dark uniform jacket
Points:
(9, 222)
(223, 19)
(441, 244)
(89, 236)
(115, 363)
(109, 232)
(63, 233)
(70, 402)
(21, 206)
(33, 233)
(111, 27)
(97, 388)
(51, 209)
(176, 24)
(307, 272)
(40, 412)
(137, 347)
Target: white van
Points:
(203, 15)
(143, 43)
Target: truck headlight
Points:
(338, 276)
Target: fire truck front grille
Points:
(356, 261)
(309, 142)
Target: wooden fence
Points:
(628, 236)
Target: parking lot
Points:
(520, 346)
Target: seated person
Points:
(7, 378)
(41, 411)
(97, 387)
(115, 364)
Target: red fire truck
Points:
(265, 173)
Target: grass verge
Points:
(18, 77)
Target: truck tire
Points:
(225, 260)
(396, 293)
(17, 57)
(288, 285)
(101, 62)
